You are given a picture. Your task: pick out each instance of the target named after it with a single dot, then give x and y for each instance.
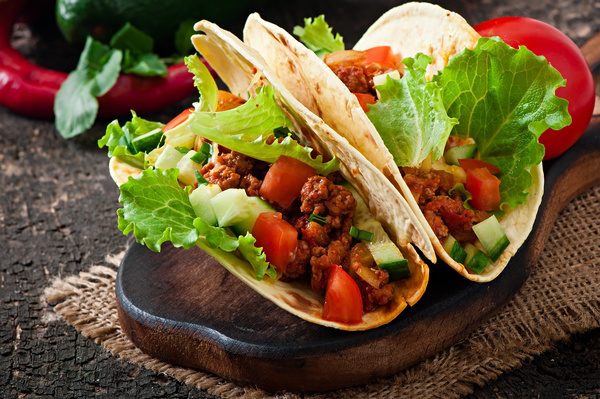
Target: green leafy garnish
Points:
(318, 36)
(255, 257)
(119, 140)
(137, 50)
(246, 128)
(157, 209)
(204, 82)
(75, 105)
(410, 115)
(504, 99)
(99, 66)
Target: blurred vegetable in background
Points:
(120, 67)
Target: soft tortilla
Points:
(243, 70)
(408, 29)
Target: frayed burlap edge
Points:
(560, 298)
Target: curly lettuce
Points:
(504, 99)
(410, 115)
(156, 209)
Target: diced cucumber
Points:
(476, 260)
(230, 206)
(385, 252)
(388, 257)
(200, 200)
(168, 158)
(187, 169)
(256, 206)
(454, 249)
(492, 237)
(466, 151)
(149, 141)
(478, 263)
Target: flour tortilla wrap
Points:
(244, 70)
(409, 29)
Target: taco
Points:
(271, 192)
(451, 118)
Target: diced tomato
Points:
(178, 120)
(277, 238)
(343, 301)
(227, 101)
(485, 189)
(284, 180)
(364, 99)
(382, 55)
(467, 164)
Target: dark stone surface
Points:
(58, 217)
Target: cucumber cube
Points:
(492, 237)
(466, 151)
(168, 158)
(187, 169)
(478, 263)
(149, 141)
(454, 249)
(388, 257)
(200, 200)
(256, 206)
(230, 206)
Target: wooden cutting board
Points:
(182, 307)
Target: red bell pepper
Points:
(30, 89)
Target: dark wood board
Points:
(182, 307)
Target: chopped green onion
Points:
(283, 132)
(183, 150)
(203, 154)
(361, 235)
(317, 219)
(201, 179)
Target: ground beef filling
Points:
(235, 170)
(358, 78)
(319, 246)
(444, 212)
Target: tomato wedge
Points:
(178, 120)
(364, 99)
(484, 188)
(227, 101)
(467, 164)
(277, 238)
(382, 55)
(343, 301)
(284, 180)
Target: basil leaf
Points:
(137, 48)
(75, 105)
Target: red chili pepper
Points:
(29, 89)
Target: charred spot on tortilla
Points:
(299, 302)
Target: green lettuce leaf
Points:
(157, 209)
(119, 139)
(204, 82)
(410, 115)
(504, 99)
(257, 259)
(317, 36)
(246, 129)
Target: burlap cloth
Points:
(560, 298)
